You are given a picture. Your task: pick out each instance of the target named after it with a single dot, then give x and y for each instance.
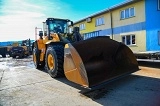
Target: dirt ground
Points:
(22, 85)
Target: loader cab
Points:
(56, 26)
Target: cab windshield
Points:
(58, 26)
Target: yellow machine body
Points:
(26, 50)
(89, 63)
(20, 49)
(15, 44)
(73, 66)
(43, 42)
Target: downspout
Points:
(111, 25)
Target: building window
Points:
(127, 13)
(132, 12)
(100, 21)
(158, 37)
(82, 26)
(122, 14)
(158, 4)
(129, 39)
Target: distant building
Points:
(8, 43)
(134, 22)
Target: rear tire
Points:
(36, 57)
(54, 61)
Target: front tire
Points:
(54, 60)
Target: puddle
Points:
(10, 62)
(3, 65)
(30, 65)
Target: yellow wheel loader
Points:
(21, 50)
(89, 63)
(17, 49)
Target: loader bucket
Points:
(98, 60)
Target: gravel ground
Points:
(22, 85)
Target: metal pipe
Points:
(44, 27)
(36, 32)
(111, 19)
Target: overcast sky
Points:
(18, 18)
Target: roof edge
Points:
(108, 9)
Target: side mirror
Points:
(71, 23)
(40, 33)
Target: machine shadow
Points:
(127, 89)
(129, 84)
(132, 89)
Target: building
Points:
(134, 22)
(9, 43)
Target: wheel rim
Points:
(50, 61)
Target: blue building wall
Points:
(123, 29)
(129, 28)
(152, 25)
(117, 30)
(7, 43)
